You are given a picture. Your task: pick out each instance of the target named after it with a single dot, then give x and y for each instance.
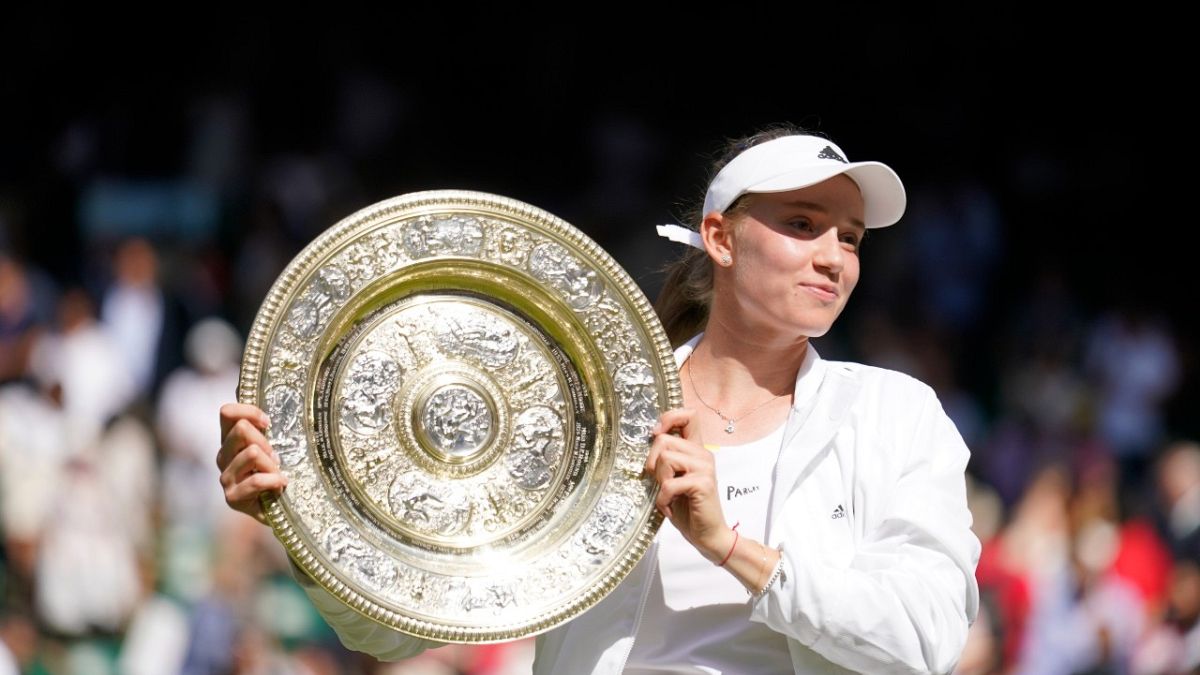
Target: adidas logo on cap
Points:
(830, 153)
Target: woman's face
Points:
(795, 257)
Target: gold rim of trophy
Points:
(461, 387)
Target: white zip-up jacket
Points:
(886, 587)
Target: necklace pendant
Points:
(729, 427)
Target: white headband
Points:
(681, 235)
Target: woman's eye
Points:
(803, 224)
(852, 240)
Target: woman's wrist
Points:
(751, 562)
(722, 546)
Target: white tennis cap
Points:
(794, 162)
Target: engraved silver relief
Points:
(635, 387)
(368, 387)
(611, 329)
(304, 319)
(511, 245)
(491, 596)
(331, 287)
(607, 524)
(552, 264)
(421, 588)
(536, 448)
(352, 554)
(422, 504)
(454, 235)
(475, 335)
(282, 405)
(500, 506)
(360, 263)
(328, 290)
(537, 386)
(457, 420)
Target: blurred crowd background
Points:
(154, 183)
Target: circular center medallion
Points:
(455, 423)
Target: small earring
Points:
(726, 260)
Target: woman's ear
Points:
(717, 232)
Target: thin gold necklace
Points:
(730, 422)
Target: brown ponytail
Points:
(683, 303)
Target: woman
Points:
(826, 529)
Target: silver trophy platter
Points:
(461, 388)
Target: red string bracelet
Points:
(735, 541)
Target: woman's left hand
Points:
(687, 479)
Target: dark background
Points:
(1074, 125)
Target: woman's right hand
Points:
(248, 464)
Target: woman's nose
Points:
(829, 254)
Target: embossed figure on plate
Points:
(635, 385)
(607, 524)
(327, 291)
(475, 336)
(536, 447)
(554, 265)
(457, 421)
(423, 504)
(455, 235)
(371, 381)
(348, 550)
(283, 404)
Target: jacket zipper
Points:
(637, 620)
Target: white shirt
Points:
(697, 619)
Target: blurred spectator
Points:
(1172, 646)
(1047, 391)
(146, 324)
(226, 633)
(191, 495)
(1179, 493)
(125, 457)
(18, 320)
(995, 641)
(82, 358)
(156, 640)
(88, 576)
(1132, 361)
(18, 643)
(1029, 554)
(97, 543)
(1084, 618)
(34, 445)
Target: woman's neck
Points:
(737, 363)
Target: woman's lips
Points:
(826, 293)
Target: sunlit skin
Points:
(794, 263)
